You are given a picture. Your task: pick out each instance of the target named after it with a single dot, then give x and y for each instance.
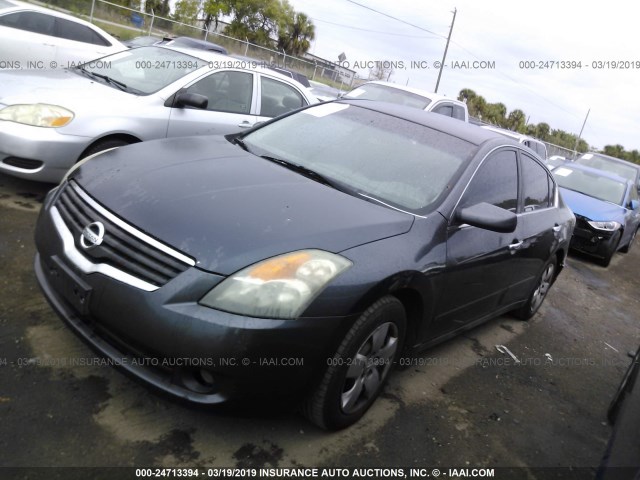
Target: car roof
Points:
(417, 91)
(463, 130)
(17, 6)
(196, 41)
(596, 171)
(613, 159)
(510, 133)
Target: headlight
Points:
(37, 115)
(82, 162)
(606, 226)
(280, 287)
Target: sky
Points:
(506, 33)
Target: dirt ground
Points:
(462, 404)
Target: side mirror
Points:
(634, 205)
(488, 217)
(194, 100)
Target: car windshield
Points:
(373, 91)
(602, 163)
(590, 184)
(143, 70)
(383, 158)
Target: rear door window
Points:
(35, 22)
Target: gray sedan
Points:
(51, 119)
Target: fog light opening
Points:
(205, 378)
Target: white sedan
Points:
(33, 37)
(50, 119)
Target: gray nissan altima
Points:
(278, 263)
(50, 119)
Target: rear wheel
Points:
(539, 293)
(102, 145)
(611, 249)
(357, 372)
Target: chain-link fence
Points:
(126, 23)
(567, 153)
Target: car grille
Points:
(120, 248)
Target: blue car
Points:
(606, 207)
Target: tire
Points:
(611, 249)
(101, 145)
(357, 372)
(628, 246)
(539, 292)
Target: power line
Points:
(466, 50)
(372, 31)
(396, 19)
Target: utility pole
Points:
(444, 57)
(575, 148)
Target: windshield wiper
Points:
(307, 172)
(109, 80)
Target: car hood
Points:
(226, 207)
(57, 87)
(592, 208)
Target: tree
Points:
(542, 131)
(466, 95)
(255, 20)
(614, 151)
(213, 10)
(516, 121)
(186, 11)
(134, 4)
(295, 31)
(495, 113)
(160, 8)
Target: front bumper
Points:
(37, 153)
(167, 340)
(590, 241)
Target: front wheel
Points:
(104, 145)
(357, 372)
(628, 246)
(539, 293)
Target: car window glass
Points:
(277, 98)
(227, 91)
(80, 33)
(458, 112)
(35, 22)
(542, 150)
(383, 93)
(628, 171)
(535, 183)
(352, 146)
(444, 110)
(495, 182)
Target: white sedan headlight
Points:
(279, 287)
(37, 115)
(606, 226)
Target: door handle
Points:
(516, 246)
(245, 124)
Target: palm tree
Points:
(295, 33)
